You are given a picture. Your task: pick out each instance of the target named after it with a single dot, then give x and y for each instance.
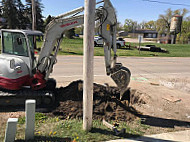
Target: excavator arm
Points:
(53, 38)
(107, 30)
(120, 74)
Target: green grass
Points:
(55, 129)
(174, 50)
(48, 128)
(75, 47)
(38, 117)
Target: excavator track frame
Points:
(44, 98)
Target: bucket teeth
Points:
(122, 78)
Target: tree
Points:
(130, 25)
(1, 11)
(163, 23)
(9, 12)
(160, 26)
(19, 16)
(150, 25)
(142, 25)
(187, 18)
(184, 36)
(70, 33)
(79, 30)
(39, 17)
(48, 20)
(23, 21)
(119, 27)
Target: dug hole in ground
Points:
(162, 108)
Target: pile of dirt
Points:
(106, 103)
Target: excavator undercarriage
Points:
(45, 98)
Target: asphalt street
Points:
(70, 68)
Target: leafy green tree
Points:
(1, 11)
(79, 30)
(28, 12)
(151, 25)
(39, 17)
(187, 18)
(23, 21)
(1, 22)
(142, 25)
(119, 27)
(130, 25)
(9, 12)
(184, 36)
(48, 20)
(163, 23)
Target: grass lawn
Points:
(70, 130)
(75, 47)
(54, 129)
(174, 50)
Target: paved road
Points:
(70, 68)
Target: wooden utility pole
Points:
(33, 15)
(34, 20)
(88, 63)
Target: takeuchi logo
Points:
(68, 24)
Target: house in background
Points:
(148, 35)
(144, 33)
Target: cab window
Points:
(14, 43)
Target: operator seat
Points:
(18, 46)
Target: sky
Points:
(137, 10)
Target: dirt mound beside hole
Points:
(106, 103)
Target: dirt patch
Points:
(4, 116)
(182, 83)
(106, 103)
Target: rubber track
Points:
(6, 96)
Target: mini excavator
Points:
(23, 76)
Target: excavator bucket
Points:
(122, 78)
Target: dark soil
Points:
(106, 103)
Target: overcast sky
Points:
(137, 10)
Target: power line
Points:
(169, 3)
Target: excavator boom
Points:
(107, 30)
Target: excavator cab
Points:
(17, 58)
(20, 43)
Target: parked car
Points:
(98, 41)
